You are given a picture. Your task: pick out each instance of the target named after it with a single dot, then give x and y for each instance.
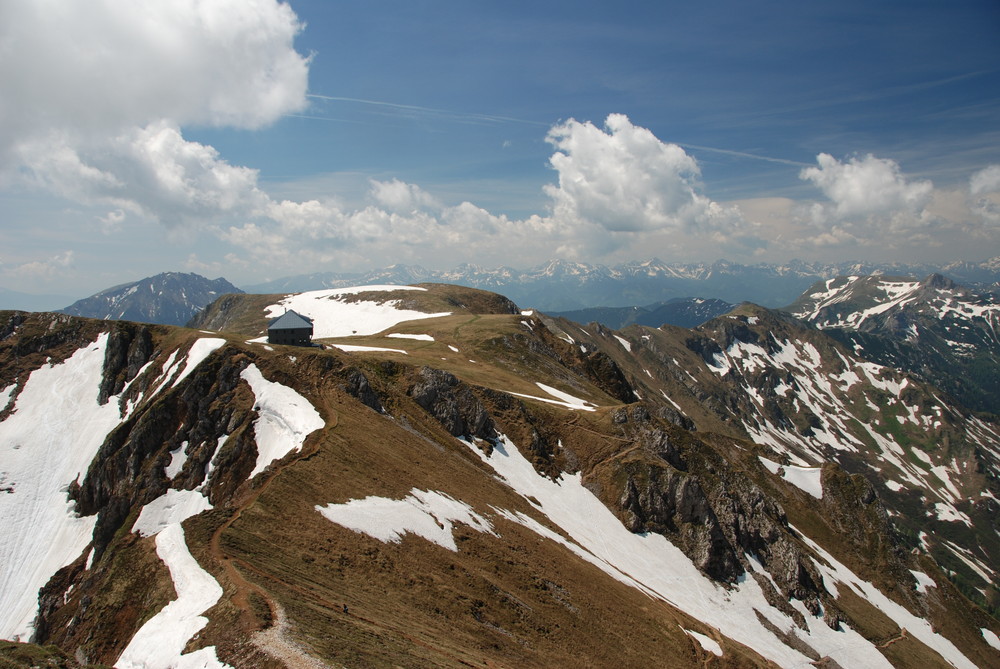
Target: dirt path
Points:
(902, 635)
(274, 640)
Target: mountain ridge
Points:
(546, 492)
(560, 285)
(170, 298)
(935, 328)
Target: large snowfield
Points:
(55, 430)
(332, 316)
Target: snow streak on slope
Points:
(54, 431)
(334, 317)
(562, 399)
(893, 294)
(836, 573)
(200, 350)
(807, 479)
(425, 513)
(173, 507)
(285, 419)
(820, 388)
(653, 565)
(160, 642)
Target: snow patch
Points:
(807, 479)
(425, 513)
(626, 344)
(418, 337)
(334, 317)
(285, 419)
(991, 637)
(173, 507)
(707, 643)
(56, 428)
(178, 457)
(199, 350)
(651, 564)
(562, 399)
(159, 644)
(834, 572)
(923, 581)
(356, 348)
(5, 396)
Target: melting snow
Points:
(991, 637)
(285, 419)
(923, 581)
(625, 343)
(656, 567)
(356, 348)
(175, 506)
(562, 399)
(178, 457)
(807, 479)
(55, 430)
(333, 317)
(706, 642)
(160, 642)
(200, 350)
(834, 572)
(427, 514)
(419, 337)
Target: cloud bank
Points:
(97, 96)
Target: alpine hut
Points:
(291, 328)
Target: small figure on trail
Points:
(345, 608)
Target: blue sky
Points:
(252, 140)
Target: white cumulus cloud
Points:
(625, 179)
(98, 66)
(986, 180)
(984, 187)
(96, 94)
(866, 188)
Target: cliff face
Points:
(483, 487)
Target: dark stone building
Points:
(291, 328)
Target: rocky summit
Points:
(443, 480)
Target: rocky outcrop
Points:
(129, 347)
(673, 484)
(129, 468)
(452, 403)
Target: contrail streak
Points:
(741, 154)
(508, 119)
(429, 110)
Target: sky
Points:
(253, 139)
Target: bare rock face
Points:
(677, 486)
(129, 347)
(357, 385)
(129, 467)
(664, 500)
(452, 403)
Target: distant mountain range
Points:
(685, 312)
(649, 293)
(561, 285)
(935, 329)
(171, 298)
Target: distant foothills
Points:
(555, 287)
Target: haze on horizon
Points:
(253, 139)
